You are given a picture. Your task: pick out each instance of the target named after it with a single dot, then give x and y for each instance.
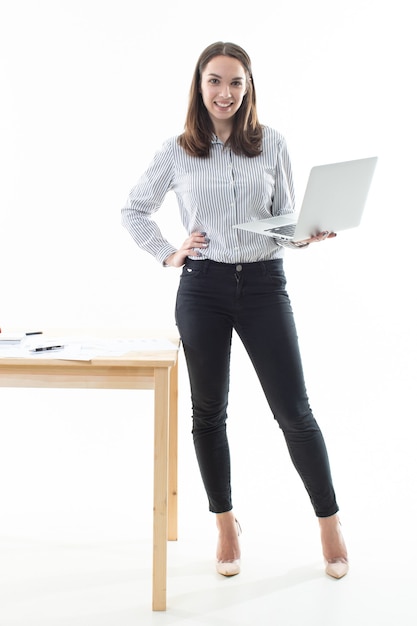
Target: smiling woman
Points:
(224, 168)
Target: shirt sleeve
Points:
(146, 198)
(284, 197)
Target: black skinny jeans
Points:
(212, 300)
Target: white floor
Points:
(107, 583)
(76, 513)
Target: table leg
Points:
(173, 455)
(160, 526)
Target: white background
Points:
(89, 90)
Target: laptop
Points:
(334, 200)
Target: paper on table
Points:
(9, 338)
(86, 349)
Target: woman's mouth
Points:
(223, 105)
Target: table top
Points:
(147, 357)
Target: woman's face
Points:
(223, 85)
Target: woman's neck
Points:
(223, 131)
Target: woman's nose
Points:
(225, 91)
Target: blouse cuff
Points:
(164, 253)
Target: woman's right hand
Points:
(191, 247)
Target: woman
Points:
(227, 168)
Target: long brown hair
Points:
(246, 136)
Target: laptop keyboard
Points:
(287, 230)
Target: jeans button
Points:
(238, 268)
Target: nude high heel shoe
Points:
(337, 568)
(230, 567)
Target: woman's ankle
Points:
(225, 520)
(228, 548)
(334, 547)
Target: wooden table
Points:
(157, 370)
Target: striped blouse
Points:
(213, 194)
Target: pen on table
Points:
(45, 348)
(35, 332)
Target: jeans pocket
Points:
(277, 277)
(190, 272)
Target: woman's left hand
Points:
(319, 237)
